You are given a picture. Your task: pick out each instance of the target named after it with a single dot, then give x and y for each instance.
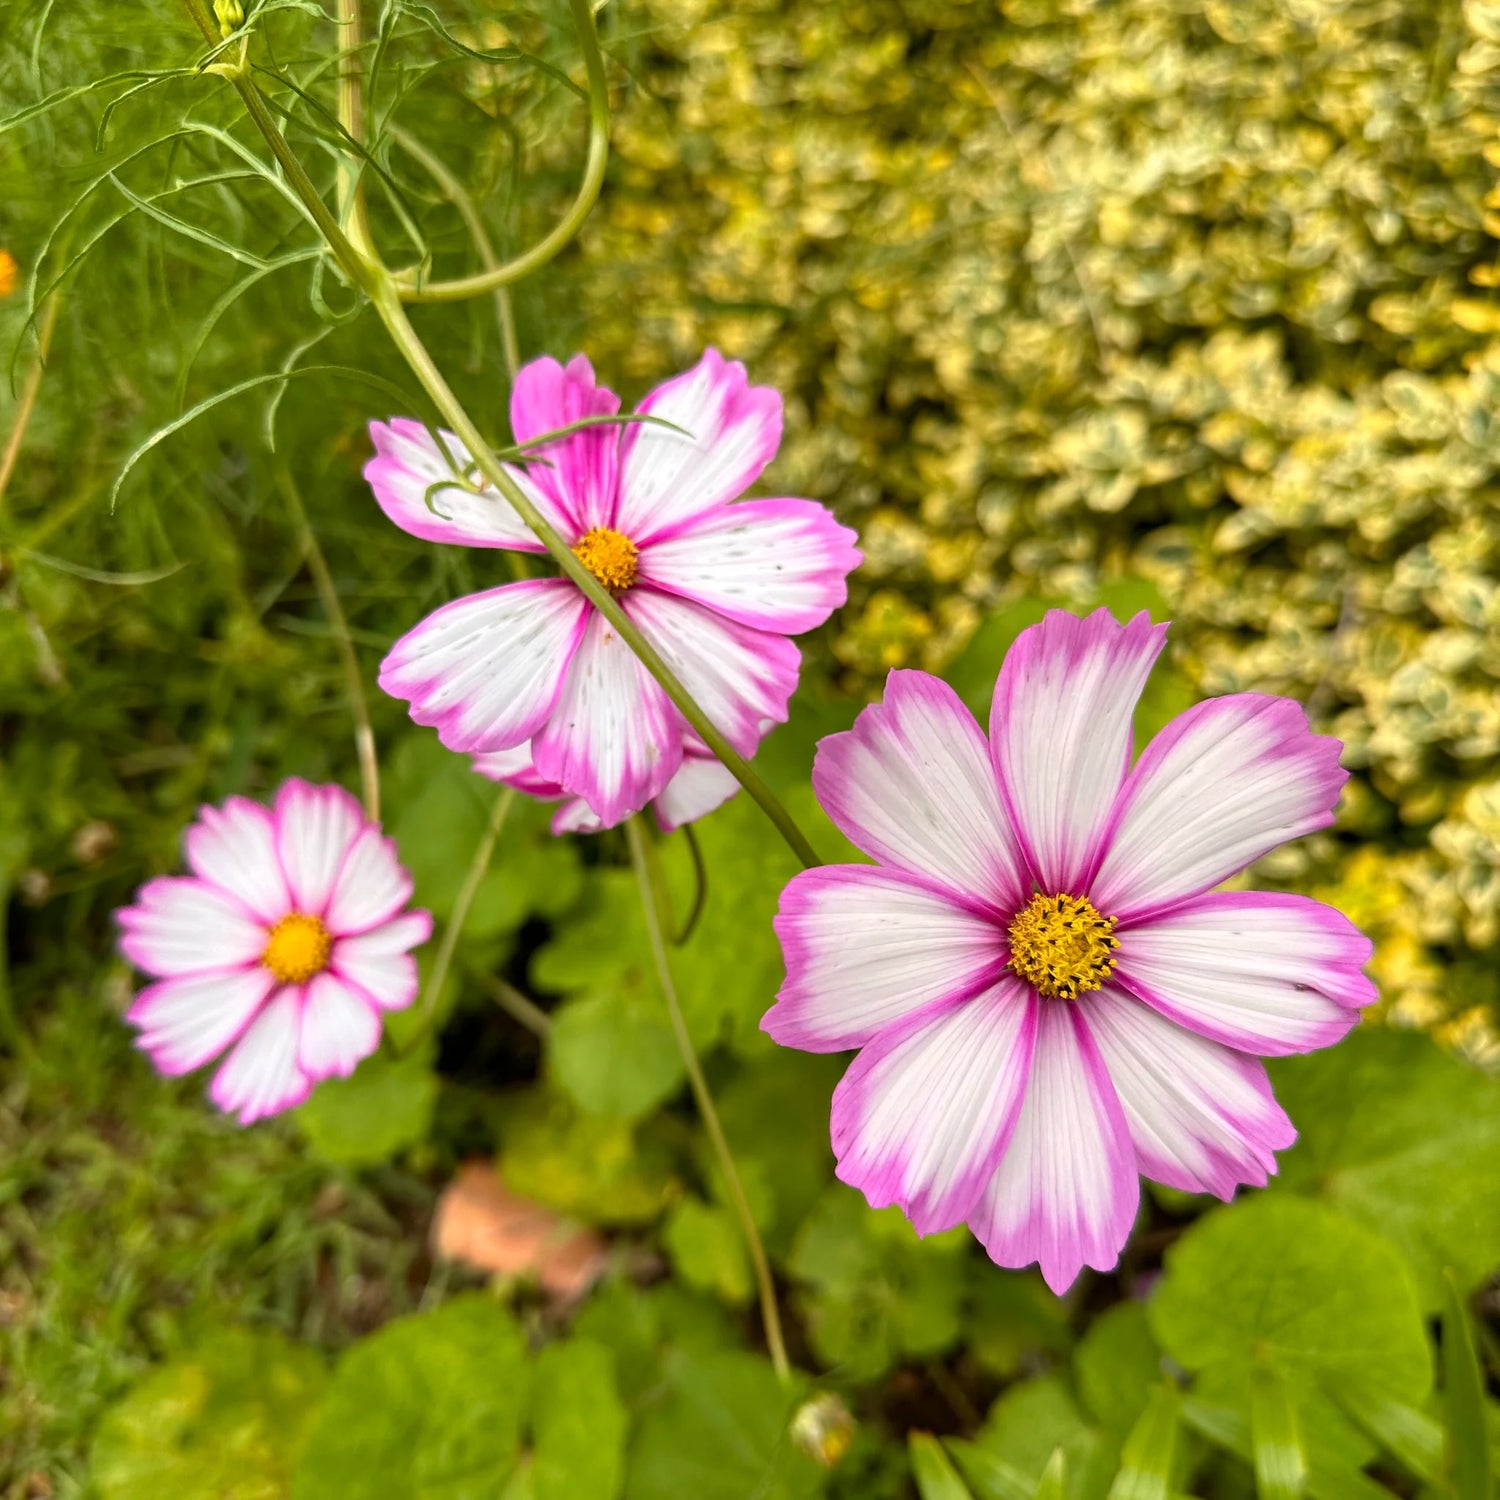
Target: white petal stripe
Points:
(924, 1114)
(1266, 973)
(1202, 1116)
(377, 962)
(315, 827)
(911, 784)
(486, 670)
(234, 848)
(700, 786)
(1222, 784)
(184, 1022)
(867, 947)
(371, 886)
(339, 1028)
(1060, 733)
(261, 1077)
(1067, 1191)
(182, 926)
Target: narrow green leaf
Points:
(936, 1477)
(1146, 1463)
(1054, 1481)
(1463, 1396)
(1276, 1445)
(989, 1477)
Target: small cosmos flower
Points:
(286, 944)
(698, 787)
(716, 587)
(1047, 998)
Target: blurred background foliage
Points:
(1185, 305)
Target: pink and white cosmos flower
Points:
(700, 785)
(716, 587)
(1047, 998)
(286, 944)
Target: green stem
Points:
(377, 283)
(651, 901)
(409, 283)
(478, 868)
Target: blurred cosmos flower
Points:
(699, 785)
(715, 587)
(286, 943)
(1046, 999)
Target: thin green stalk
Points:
(519, 1007)
(328, 595)
(378, 284)
(409, 283)
(651, 900)
(478, 868)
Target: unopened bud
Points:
(231, 16)
(823, 1429)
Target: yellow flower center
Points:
(610, 557)
(1062, 945)
(298, 948)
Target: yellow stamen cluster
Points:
(609, 556)
(298, 948)
(1062, 945)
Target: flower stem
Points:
(328, 595)
(478, 868)
(378, 284)
(651, 900)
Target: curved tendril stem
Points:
(651, 902)
(409, 283)
(376, 282)
(328, 595)
(700, 886)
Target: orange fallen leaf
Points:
(10, 273)
(480, 1222)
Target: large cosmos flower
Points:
(287, 943)
(1047, 998)
(715, 587)
(698, 787)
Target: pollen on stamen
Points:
(1062, 945)
(610, 556)
(298, 948)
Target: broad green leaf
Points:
(578, 1424)
(1275, 1442)
(1146, 1460)
(708, 1249)
(1296, 1287)
(721, 1432)
(381, 1109)
(1117, 1365)
(1420, 1167)
(427, 1408)
(1463, 1396)
(225, 1421)
(933, 1470)
(1037, 1418)
(645, 1327)
(613, 1052)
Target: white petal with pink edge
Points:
(515, 767)
(741, 678)
(730, 432)
(1222, 784)
(184, 1022)
(1202, 1116)
(613, 738)
(925, 1112)
(234, 848)
(867, 947)
(261, 1077)
(414, 485)
(774, 564)
(574, 815)
(486, 670)
(700, 786)
(1066, 1193)
(315, 828)
(1060, 734)
(339, 1028)
(577, 473)
(911, 785)
(182, 926)
(1264, 972)
(378, 962)
(371, 886)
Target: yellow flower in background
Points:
(10, 273)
